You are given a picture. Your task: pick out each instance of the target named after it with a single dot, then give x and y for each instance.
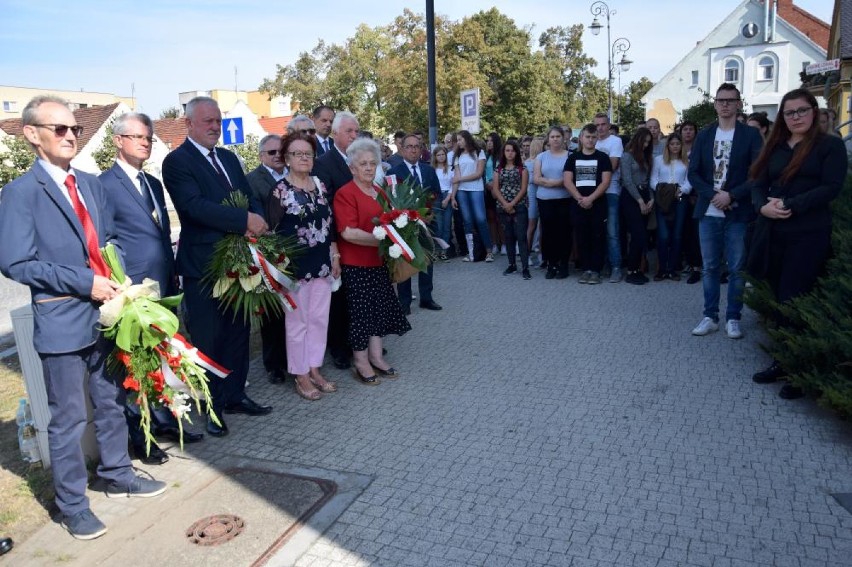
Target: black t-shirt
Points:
(588, 170)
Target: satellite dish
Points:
(750, 30)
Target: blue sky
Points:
(166, 47)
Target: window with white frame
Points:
(695, 78)
(10, 106)
(766, 68)
(732, 71)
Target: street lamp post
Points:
(620, 45)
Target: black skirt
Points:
(374, 310)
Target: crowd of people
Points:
(736, 194)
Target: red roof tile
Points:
(275, 125)
(817, 30)
(172, 131)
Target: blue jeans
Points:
(670, 236)
(717, 236)
(443, 218)
(612, 230)
(472, 205)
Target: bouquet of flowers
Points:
(250, 274)
(405, 241)
(161, 367)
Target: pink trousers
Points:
(306, 326)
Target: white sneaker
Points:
(732, 328)
(705, 327)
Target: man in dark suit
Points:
(323, 117)
(261, 181)
(334, 172)
(199, 176)
(143, 233)
(53, 220)
(718, 171)
(424, 176)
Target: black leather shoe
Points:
(790, 392)
(173, 434)
(694, 277)
(770, 375)
(276, 376)
(156, 457)
(248, 407)
(341, 361)
(368, 380)
(6, 545)
(217, 430)
(430, 305)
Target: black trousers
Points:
(590, 225)
(637, 228)
(796, 261)
(272, 335)
(557, 232)
(222, 337)
(338, 325)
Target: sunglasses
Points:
(136, 137)
(271, 152)
(310, 131)
(61, 129)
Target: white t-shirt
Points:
(612, 147)
(467, 166)
(721, 156)
(445, 179)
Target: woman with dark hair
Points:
(298, 206)
(374, 310)
(493, 148)
(636, 164)
(670, 185)
(761, 122)
(796, 176)
(691, 244)
(510, 191)
(468, 166)
(554, 205)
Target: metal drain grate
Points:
(215, 530)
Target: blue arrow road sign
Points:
(232, 131)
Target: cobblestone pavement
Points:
(547, 423)
(12, 296)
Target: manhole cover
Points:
(214, 530)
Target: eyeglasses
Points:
(411, 147)
(138, 137)
(310, 131)
(800, 112)
(725, 101)
(270, 152)
(61, 129)
(301, 155)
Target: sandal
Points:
(312, 395)
(325, 386)
(391, 372)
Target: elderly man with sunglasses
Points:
(53, 221)
(261, 181)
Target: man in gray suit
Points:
(261, 182)
(53, 221)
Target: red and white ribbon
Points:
(274, 279)
(395, 237)
(172, 380)
(183, 346)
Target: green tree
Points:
(104, 156)
(631, 109)
(171, 112)
(16, 157)
(702, 112)
(249, 152)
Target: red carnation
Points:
(131, 383)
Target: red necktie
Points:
(96, 261)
